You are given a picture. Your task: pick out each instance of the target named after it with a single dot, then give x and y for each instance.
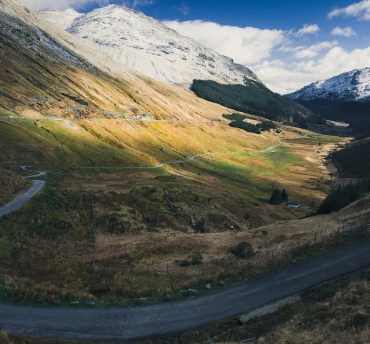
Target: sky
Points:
(287, 43)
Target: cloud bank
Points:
(287, 77)
(245, 45)
(258, 49)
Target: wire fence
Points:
(354, 230)
(227, 266)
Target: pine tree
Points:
(276, 197)
(284, 196)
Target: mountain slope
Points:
(46, 71)
(345, 97)
(145, 46)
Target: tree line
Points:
(343, 195)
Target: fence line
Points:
(246, 267)
(354, 230)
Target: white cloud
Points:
(308, 30)
(343, 31)
(313, 50)
(359, 10)
(245, 45)
(284, 78)
(36, 5)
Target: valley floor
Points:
(117, 223)
(137, 227)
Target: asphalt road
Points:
(21, 200)
(126, 324)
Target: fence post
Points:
(167, 269)
(338, 230)
(315, 239)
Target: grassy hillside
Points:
(35, 87)
(257, 99)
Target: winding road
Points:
(127, 324)
(20, 201)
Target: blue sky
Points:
(263, 14)
(288, 43)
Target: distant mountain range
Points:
(345, 97)
(352, 86)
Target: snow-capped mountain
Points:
(145, 46)
(49, 41)
(351, 86)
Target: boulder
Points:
(243, 250)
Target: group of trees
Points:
(343, 195)
(251, 128)
(235, 117)
(267, 126)
(254, 98)
(278, 197)
(238, 122)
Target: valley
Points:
(151, 216)
(128, 180)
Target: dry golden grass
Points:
(343, 318)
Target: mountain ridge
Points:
(148, 47)
(349, 86)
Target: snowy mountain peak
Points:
(148, 47)
(350, 86)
